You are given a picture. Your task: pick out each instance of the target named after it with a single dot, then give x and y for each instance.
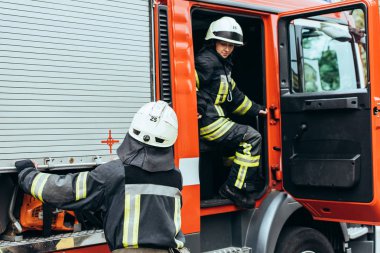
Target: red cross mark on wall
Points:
(110, 141)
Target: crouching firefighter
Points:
(138, 194)
(218, 98)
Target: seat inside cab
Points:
(248, 73)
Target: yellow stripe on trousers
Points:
(247, 160)
(241, 176)
(246, 148)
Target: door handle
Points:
(301, 130)
(274, 115)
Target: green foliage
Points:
(328, 70)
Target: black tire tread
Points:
(299, 239)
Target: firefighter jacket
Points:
(218, 96)
(140, 209)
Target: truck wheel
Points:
(303, 240)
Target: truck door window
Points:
(329, 52)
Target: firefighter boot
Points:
(237, 196)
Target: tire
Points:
(303, 240)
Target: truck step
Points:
(215, 202)
(55, 242)
(232, 250)
(356, 232)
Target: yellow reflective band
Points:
(224, 97)
(224, 93)
(131, 220)
(213, 126)
(223, 90)
(34, 183)
(241, 177)
(136, 222)
(45, 178)
(77, 187)
(219, 110)
(247, 160)
(81, 186)
(220, 132)
(177, 215)
(177, 220)
(247, 148)
(38, 185)
(127, 210)
(248, 157)
(84, 186)
(233, 83)
(196, 80)
(243, 107)
(247, 164)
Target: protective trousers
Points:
(245, 169)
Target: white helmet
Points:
(225, 29)
(155, 124)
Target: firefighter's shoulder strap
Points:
(47, 219)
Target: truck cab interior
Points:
(248, 73)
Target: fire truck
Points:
(73, 73)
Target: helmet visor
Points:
(229, 35)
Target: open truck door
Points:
(329, 107)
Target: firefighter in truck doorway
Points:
(219, 97)
(138, 194)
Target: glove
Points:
(23, 164)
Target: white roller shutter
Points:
(70, 71)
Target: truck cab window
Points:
(330, 55)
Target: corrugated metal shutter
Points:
(69, 72)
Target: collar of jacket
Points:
(149, 158)
(225, 61)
